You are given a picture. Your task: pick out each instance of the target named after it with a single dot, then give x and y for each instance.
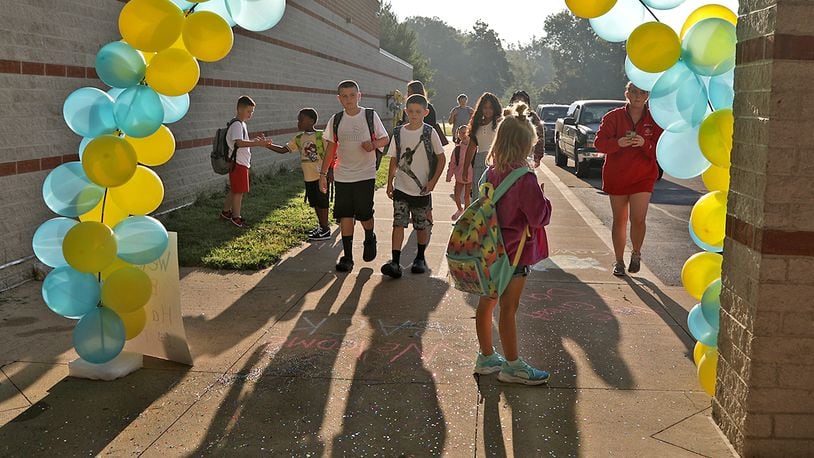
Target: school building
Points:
(49, 48)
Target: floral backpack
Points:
(477, 259)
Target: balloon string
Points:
(645, 7)
(192, 9)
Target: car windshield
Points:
(592, 114)
(551, 114)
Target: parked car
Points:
(549, 113)
(575, 133)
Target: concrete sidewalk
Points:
(297, 360)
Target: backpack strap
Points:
(337, 119)
(397, 138)
(507, 182)
(232, 157)
(320, 144)
(526, 234)
(426, 137)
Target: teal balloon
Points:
(615, 25)
(119, 65)
(218, 7)
(256, 15)
(641, 79)
(680, 156)
(702, 245)
(708, 47)
(139, 111)
(82, 145)
(67, 191)
(47, 241)
(89, 112)
(115, 92)
(184, 5)
(722, 90)
(175, 108)
(663, 4)
(711, 304)
(99, 336)
(700, 329)
(71, 293)
(140, 239)
(678, 100)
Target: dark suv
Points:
(549, 113)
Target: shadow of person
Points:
(392, 405)
(562, 327)
(276, 401)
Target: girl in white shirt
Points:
(482, 129)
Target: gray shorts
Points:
(407, 208)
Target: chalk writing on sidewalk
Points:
(584, 304)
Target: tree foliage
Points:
(398, 39)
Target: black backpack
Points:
(223, 160)
(369, 118)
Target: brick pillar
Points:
(765, 391)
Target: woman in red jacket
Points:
(628, 137)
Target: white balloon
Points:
(615, 25)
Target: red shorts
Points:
(239, 179)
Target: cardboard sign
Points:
(164, 336)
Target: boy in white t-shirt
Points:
(412, 176)
(238, 135)
(353, 143)
(309, 144)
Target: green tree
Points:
(398, 39)
(444, 48)
(488, 68)
(531, 67)
(585, 66)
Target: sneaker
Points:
(392, 269)
(238, 221)
(419, 266)
(313, 231)
(489, 364)
(521, 372)
(320, 234)
(619, 269)
(369, 253)
(635, 263)
(226, 215)
(345, 264)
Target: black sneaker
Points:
(320, 234)
(419, 266)
(635, 263)
(369, 253)
(345, 264)
(313, 231)
(619, 269)
(392, 269)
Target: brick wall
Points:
(765, 394)
(48, 50)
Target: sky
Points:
(503, 15)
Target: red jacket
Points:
(628, 170)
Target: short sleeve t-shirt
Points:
(311, 152)
(414, 162)
(353, 163)
(461, 116)
(238, 131)
(485, 136)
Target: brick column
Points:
(765, 390)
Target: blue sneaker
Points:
(521, 372)
(489, 364)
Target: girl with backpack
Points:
(522, 212)
(482, 129)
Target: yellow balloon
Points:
(109, 161)
(141, 195)
(148, 56)
(699, 351)
(173, 72)
(589, 9)
(150, 25)
(126, 290)
(117, 264)
(707, 371)
(179, 43)
(715, 136)
(89, 247)
(207, 36)
(112, 214)
(699, 271)
(134, 322)
(708, 218)
(653, 47)
(155, 149)
(716, 178)
(706, 12)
